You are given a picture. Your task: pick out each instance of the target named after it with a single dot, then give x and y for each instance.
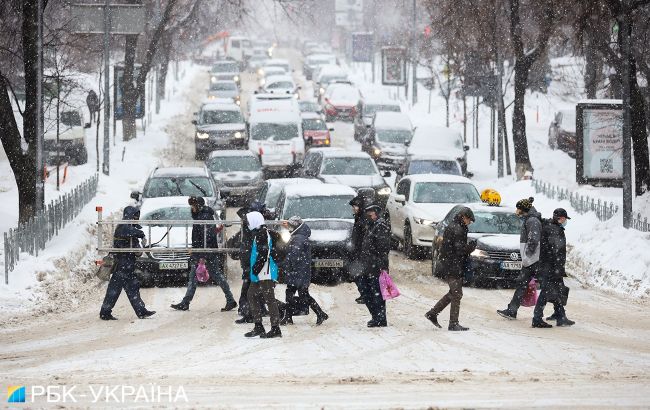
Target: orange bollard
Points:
(65, 173)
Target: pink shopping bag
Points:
(202, 274)
(530, 297)
(387, 286)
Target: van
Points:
(72, 139)
(238, 48)
(275, 135)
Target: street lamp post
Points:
(414, 92)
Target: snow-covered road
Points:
(604, 360)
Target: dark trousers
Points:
(216, 276)
(548, 286)
(452, 297)
(371, 294)
(131, 286)
(527, 273)
(304, 300)
(245, 307)
(263, 290)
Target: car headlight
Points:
(202, 135)
(213, 79)
(376, 151)
(236, 78)
(260, 72)
(384, 191)
(423, 221)
(322, 90)
(480, 253)
(238, 134)
(285, 235)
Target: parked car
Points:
(280, 84)
(72, 139)
(497, 255)
(387, 139)
(218, 126)
(172, 266)
(315, 131)
(354, 169)
(340, 102)
(225, 70)
(420, 202)
(182, 181)
(238, 174)
(276, 136)
(562, 132)
(224, 89)
(439, 140)
(428, 164)
(325, 208)
(313, 61)
(366, 110)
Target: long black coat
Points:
(375, 247)
(297, 262)
(127, 236)
(454, 250)
(201, 240)
(245, 243)
(552, 251)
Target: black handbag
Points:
(558, 292)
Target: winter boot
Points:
(107, 316)
(321, 317)
(274, 332)
(565, 322)
(540, 324)
(244, 319)
(374, 323)
(455, 327)
(180, 306)
(554, 316)
(360, 300)
(230, 305)
(507, 314)
(287, 320)
(433, 319)
(146, 314)
(258, 330)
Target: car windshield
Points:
(313, 124)
(71, 118)
(280, 84)
(228, 164)
(221, 117)
(445, 193)
(326, 79)
(496, 222)
(225, 68)
(178, 186)
(394, 136)
(223, 86)
(348, 166)
(274, 132)
(370, 109)
(169, 214)
(434, 167)
(318, 207)
(308, 106)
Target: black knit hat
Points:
(525, 204)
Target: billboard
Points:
(599, 135)
(118, 73)
(362, 47)
(123, 18)
(393, 66)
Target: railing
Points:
(32, 236)
(582, 204)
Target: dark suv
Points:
(562, 132)
(219, 126)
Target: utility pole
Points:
(107, 68)
(414, 92)
(40, 160)
(500, 120)
(624, 21)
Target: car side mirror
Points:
(331, 129)
(255, 92)
(87, 125)
(299, 87)
(386, 174)
(195, 122)
(135, 195)
(400, 198)
(466, 147)
(368, 126)
(407, 143)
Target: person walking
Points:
(529, 240)
(125, 236)
(552, 270)
(204, 236)
(374, 257)
(263, 275)
(454, 251)
(358, 232)
(297, 269)
(93, 105)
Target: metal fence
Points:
(582, 204)
(31, 237)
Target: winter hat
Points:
(373, 208)
(559, 213)
(196, 200)
(525, 204)
(255, 220)
(295, 221)
(257, 206)
(466, 212)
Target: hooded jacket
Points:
(246, 236)
(201, 240)
(454, 249)
(297, 264)
(375, 247)
(531, 234)
(552, 251)
(263, 265)
(127, 236)
(360, 225)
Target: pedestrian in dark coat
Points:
(358, 204)
(552, 269)
(123, 277)
(93, 105)
(297, 268)
(204, 236)
(454, 251)
(529, 238)
(374, 257)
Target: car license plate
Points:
(328, 263)
(172, 265)
(511, 265)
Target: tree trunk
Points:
(639, 135)
(129, 92)
(522, 159)
(164, 67)
(593, 66)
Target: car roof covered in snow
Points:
(180, 171)
(331, 69)
(273, 69)
(292, 181)
(428, 138)
(275, 78)
(270, 96)
(310, 115)
(340, 153)
(218, 100)
(482, 207)
(432, 157)
(279, 116)
(152, 204)
(220, 107)
(304, 190)
(378, 99)
(392, 120)
(232, 153)
(438, 178)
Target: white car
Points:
(276, 137)
(72, 139)
(267, 71)
(280, 84)
(420, 202)
(429, 139)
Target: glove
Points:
(471, 245)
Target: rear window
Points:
(178, 186)
(371, 109)
(348, 166)
(434, 167)
(274, 132)
(228, 164)
(445, 193)
(225, 68)
(314, 125)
